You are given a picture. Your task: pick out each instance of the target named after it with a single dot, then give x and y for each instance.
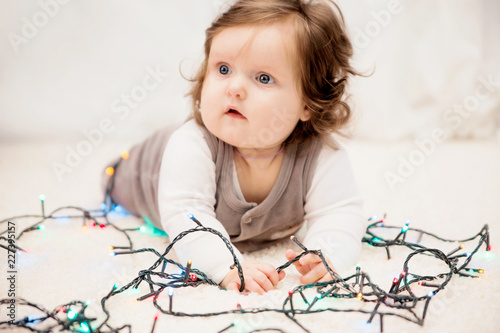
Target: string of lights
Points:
(401, 299)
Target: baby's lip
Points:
(233, 110)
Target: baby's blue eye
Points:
(265, 79)
(224, 70)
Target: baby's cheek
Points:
(207, 92)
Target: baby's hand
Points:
(311, 267)
(259, 277)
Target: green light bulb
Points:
(72, 314)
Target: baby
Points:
(257, 157)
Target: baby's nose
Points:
(236, 88)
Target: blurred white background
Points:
(69, 67)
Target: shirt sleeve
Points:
(187, 185)
(333, 210)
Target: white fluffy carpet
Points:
(453, 194)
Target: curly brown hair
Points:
(323, 58)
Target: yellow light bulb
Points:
(110, 171)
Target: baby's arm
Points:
(187, 184)
(336, 221)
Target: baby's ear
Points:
(306, 114)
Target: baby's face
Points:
(250, 96)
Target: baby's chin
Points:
(238, 137)
(233, 139)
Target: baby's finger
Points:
(327, 277)
(314, 274)
(252, 285)
(270, 273)
(281, 275)
(264, 281)
(233, 286)
(309, 259)
(290, 255)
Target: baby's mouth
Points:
(234, 113)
